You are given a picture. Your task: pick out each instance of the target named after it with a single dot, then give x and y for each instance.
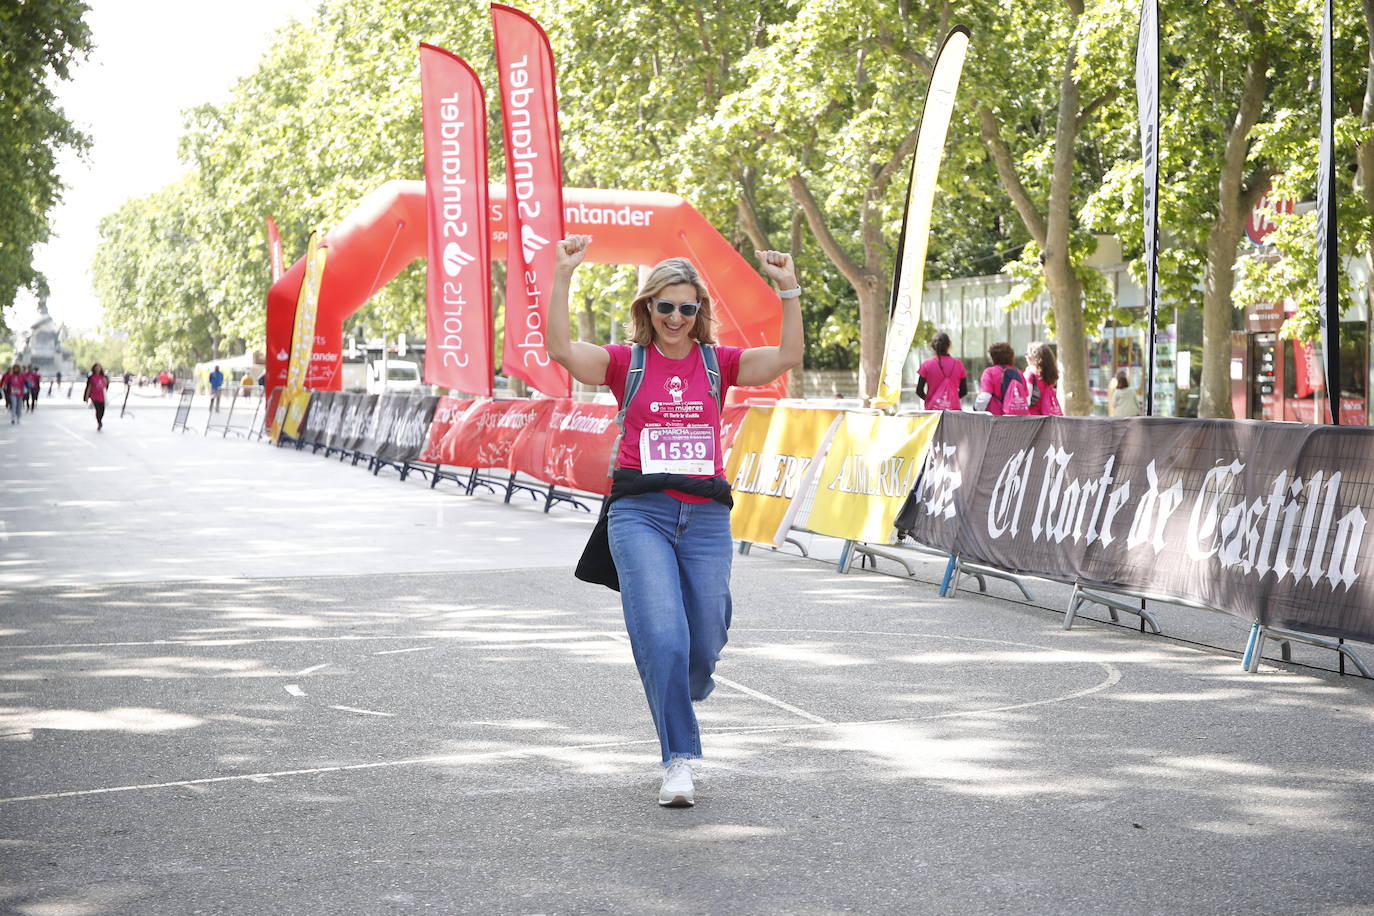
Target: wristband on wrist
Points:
(794, 293)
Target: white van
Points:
(401, 375)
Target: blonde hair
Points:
(670, 273)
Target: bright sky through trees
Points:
(153, 58)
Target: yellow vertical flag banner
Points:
(297, 402)
(870, 468)
(768, 463)
(303, 335)
(920, 199)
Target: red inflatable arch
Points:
(387, 231)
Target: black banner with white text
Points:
(1265, 521)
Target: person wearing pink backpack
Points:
(942, 380)
(1004, 384)
(1042, 373)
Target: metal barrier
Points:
(248, 395)
(1116, 600)
(183, 414)
(124, 410)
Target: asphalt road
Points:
(239, 679)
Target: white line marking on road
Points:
(366, 712)
(1113, 676)
(311, 670)
(772, 701)
(399, 651)
(78, 438)
(478, 630)
(295, 690)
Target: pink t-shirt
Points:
(97, 385)
(1047, 401)
(1017, 392)
(673, 393)
(942, 375)
(14, 381)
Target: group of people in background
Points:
(21, 385)
(1003, 389)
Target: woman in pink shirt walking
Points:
(13, 384)
(96, 383)
(668, 512)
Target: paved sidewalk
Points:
(239, 679)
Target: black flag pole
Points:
(1328, 260)
(1147, 99)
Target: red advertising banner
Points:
(534, 190)
(530, 446)
(274, 251)
(458, 273)
(485, 435)
(448, 416)
(579, 445)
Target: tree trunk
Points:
(1051, 232)
(872, 332)
(869, 285)
(586, 322)
(1066, 292)
(1218, 279)
(1235, 198)
(1364, 155)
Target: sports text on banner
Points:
(905, 312)
(534, 182)
(458, 271)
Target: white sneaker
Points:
(678, 790)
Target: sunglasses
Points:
(688, 309)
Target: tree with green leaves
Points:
(39, 42)
(1230, 83)
(1287, 273)
(831, 111)
(1039, 109)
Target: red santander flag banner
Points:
(458, 335)
(274, 250)
(534, 191)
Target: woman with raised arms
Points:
(668, 510)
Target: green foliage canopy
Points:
(39, 42)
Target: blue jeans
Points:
(673, 559)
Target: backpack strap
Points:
(634, 377)
(712, 364)
(1008, 374)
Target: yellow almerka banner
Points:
(870, 468)
(768, 466)
(297, 401)
(303, 335)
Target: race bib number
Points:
(678, 450)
